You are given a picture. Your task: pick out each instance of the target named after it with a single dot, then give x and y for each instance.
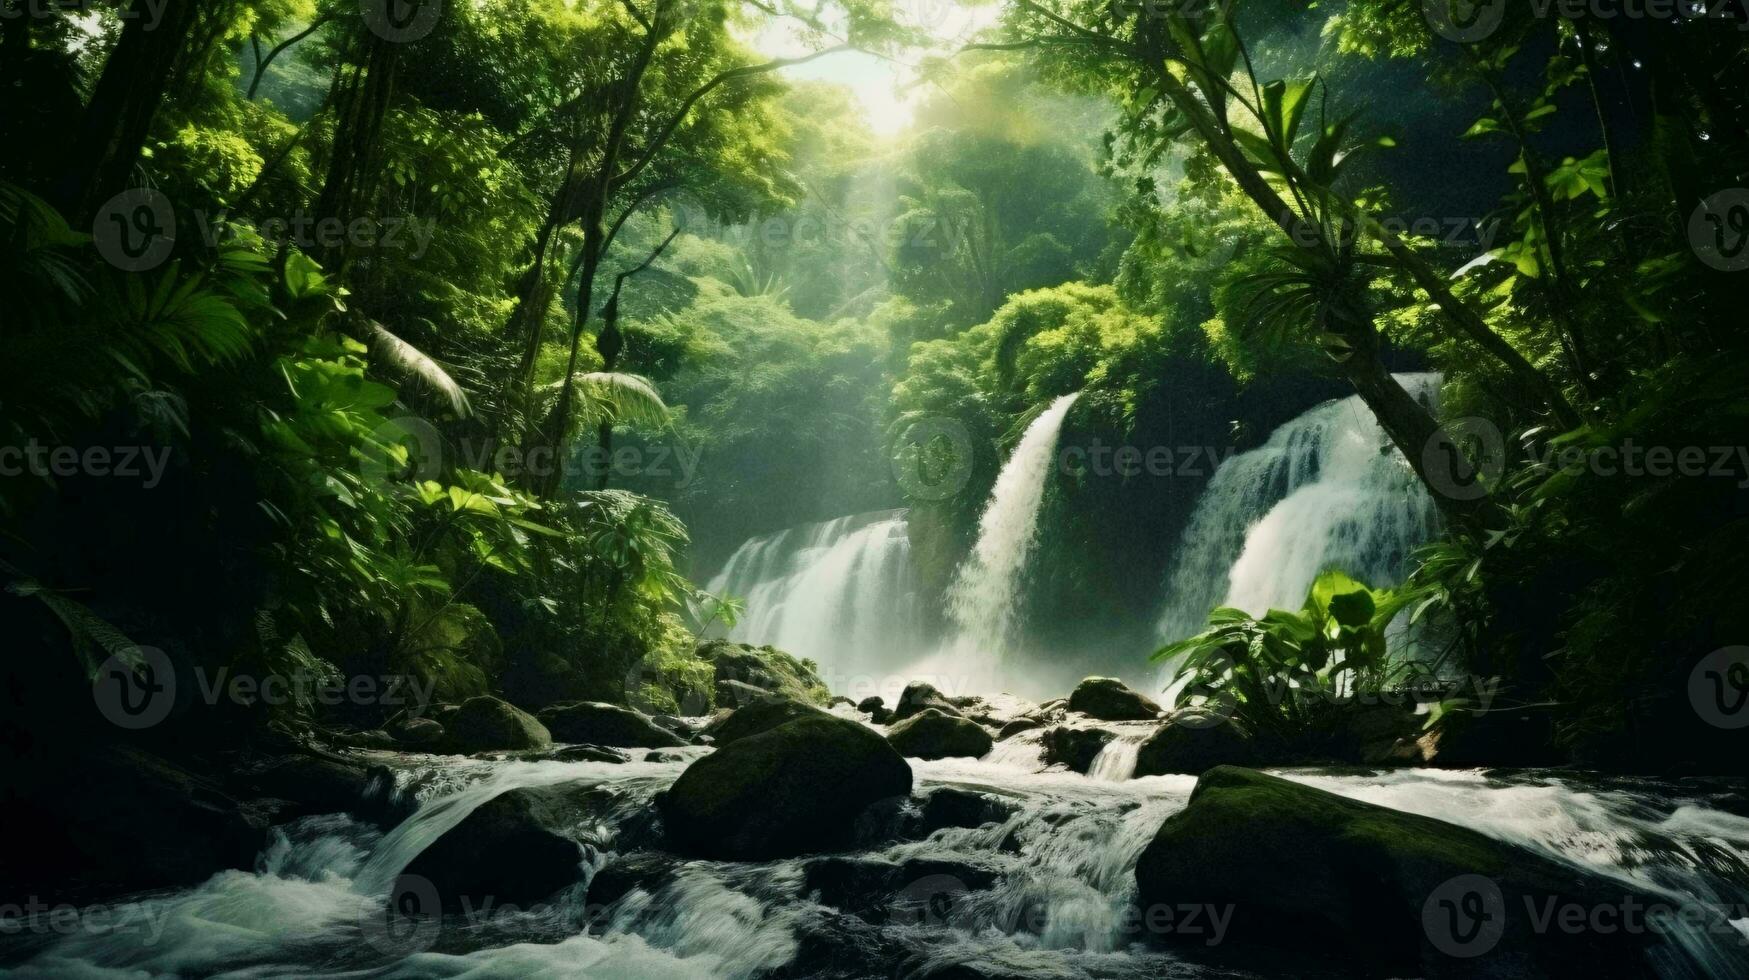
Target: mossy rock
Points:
(765, 668)
(595, 723)
(519, 847)
(757, 718)
(1074, 747)
(488, 724)
(1109, 699)
(1301, 868)
(919, 695)
(795, 789)
(931, 734)
(1193, 741)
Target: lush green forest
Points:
(451, 347)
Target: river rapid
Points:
(1046, 890)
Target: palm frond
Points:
(411, 361)
(618, 398)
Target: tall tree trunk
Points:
(355, 159)
(106, 145)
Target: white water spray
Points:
(1327, 490)
(841, 592)
(985, 597)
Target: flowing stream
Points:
(1325, 490)
(1044, 893)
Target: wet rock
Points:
(795, 789)
(488, 724)
(1193, 741)
(1401, 893)
(930, 734)
(919, 695)
(765, 669)
(665, 755)
(519, 847)
(761, 716)
(1109, 699)
(1373, 734)
(308, 784)
(907, 892)
(417, 732)
(1018, 725)
(595, 723)
(738, 694)
(869, 706)
(838, 946)
(1074, 748)
(950, 806)
(374, 738)
(585, 753)
(649, 871)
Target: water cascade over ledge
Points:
(840, 592)
(1327, 489)
(985, 598)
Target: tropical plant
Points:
(1283, 673)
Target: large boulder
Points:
(929, 734)
(1076, 748)
(1109, 699)
(758, 717)
(517, 848)
(595, 723)
(740, 667)
(1193, 741)
(488, 724)
(304, 784)
(795, 789)
(1300, 868)
(919, 695)
(416, 732)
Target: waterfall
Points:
(1326, 490)
(985, 595)
(1116, 762)
(840, 592)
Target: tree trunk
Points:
(136, 80)
(361, 107)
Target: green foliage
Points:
(1285, 672)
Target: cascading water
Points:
(1046, 891)
(1326, 490)
(985, 596)
(840, 592)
